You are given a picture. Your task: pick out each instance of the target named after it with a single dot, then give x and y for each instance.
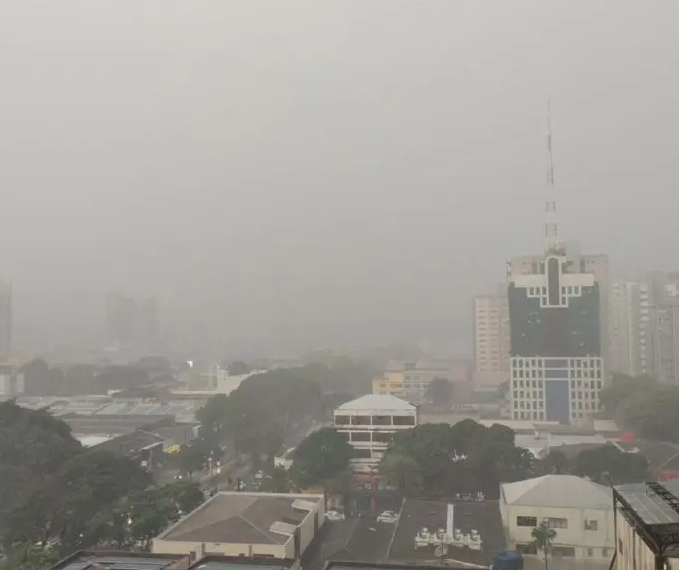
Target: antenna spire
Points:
(551, 224)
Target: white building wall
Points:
(592, 545)
(632, 551)
(369, 432)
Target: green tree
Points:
(31, 557)
(186, 495)
(54, 490)
(555, 462)
(191, 459)
(276, 481)
(464, 458)
(608, 465)
(652, 413)
(403, 472)
(239, 367)
(621, 388)
(543, 537)
(319, 458)
(440, 392)
(117, 377)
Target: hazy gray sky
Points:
(357, 170)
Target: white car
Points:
(387, 517)
(334, 516)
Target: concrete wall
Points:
(588, 544)
(159, 546)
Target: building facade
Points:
(665, 328)
(5, 319)
(409, 380)
(131, 323)
(631, 346)
(556, 341)
(369, 424)
(580, 511)
(491, 338)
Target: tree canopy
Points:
(439, 460)
(268, 407)
(55, 492)
(641, 405)
(321, 457)
(440, 392)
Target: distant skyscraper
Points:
(491, 338)
(5, 319)
(630, 325)
(664, 326)
(147, 322)
(556, 332)
(558, 325)
(131, 323)
(121, 320)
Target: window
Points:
(591, 525)
(620, 545)
(604, 552)
(527, 521)
(563, 551)
(590, 552)
(556, 522)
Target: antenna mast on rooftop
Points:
(552, 243)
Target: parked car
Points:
(387, 517)
(334, 516)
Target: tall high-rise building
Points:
(556, 335)
(630, 325)
(5, 319)
(664, 325)
(558, 325)
(131, 323)
(491, 338)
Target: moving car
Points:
(334, 516)
(387, 517)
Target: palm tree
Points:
(543, 536)
(402, 471)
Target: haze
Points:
(309, 173)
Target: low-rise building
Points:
(409, 380)
(369, 424)
(272, 525)
(646, 522)
(116, 560)
(579, 510)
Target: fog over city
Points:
(288, 175)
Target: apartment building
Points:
(630, 312)
(556, 309)
(369, 424)
(491, 338)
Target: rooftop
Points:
(362, 565)
(121, 560)
(243, 518)
(238, 563)
(138, 407)
(377, 402)
(565, 491)
(653, 510)
(483, 516)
